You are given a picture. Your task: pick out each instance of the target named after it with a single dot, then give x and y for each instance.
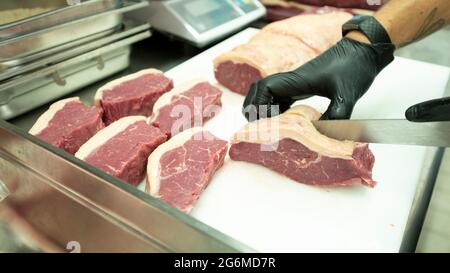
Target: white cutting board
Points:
(272, 213)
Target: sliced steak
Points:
(186, 106)
(279, 47)
(131, 95)
(122, 148)
(290, 145)
(68, 124)
(179, 170)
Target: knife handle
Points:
(428, 111)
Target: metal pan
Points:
(50, 13)
(31, 46)
(35, 88)
(68, 50)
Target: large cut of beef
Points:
(279, 47)
(122, 148)
(179, 170)
(318, 31)
(68, 124)
(277, 10)
(290, 145)
(360, 4)
(186, 106)
(266, 54)
(134, 94)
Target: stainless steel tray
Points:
(59, 11)
(36, 88)
(129, 28)
(60, 201)
(13, 11)
(47, 41)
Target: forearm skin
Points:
(407, 21)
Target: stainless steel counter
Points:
(58, 200)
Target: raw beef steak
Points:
(68, 124)
(131, 95)
(279, 47)
(122, 148)
(179, 170)
(290, 145)
(186, 106)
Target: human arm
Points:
(345, 72)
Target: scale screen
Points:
(204, 15)
(246, 5)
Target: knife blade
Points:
(390, 131)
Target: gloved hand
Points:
(343, 74)
(432, 110)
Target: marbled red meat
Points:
(179, 170)
(68, 124)
(131, 95)
(186, 106)
(122, 148)
(299, 163)
(237, 76)
(290, 145)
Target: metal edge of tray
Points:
(130, 27)
(421, 201)
(6, 95)
(17, 236)
(129, 5)
(57, 16)
(149, 219)
(422, 197)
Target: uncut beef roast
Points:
(279, 47)
(68, 124)
(290, 145)
(359, 4)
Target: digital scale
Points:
(200, 22)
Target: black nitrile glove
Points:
(432, 110)
(343, 74)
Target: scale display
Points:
(245, 5)
(201, 21)
(204, 15)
